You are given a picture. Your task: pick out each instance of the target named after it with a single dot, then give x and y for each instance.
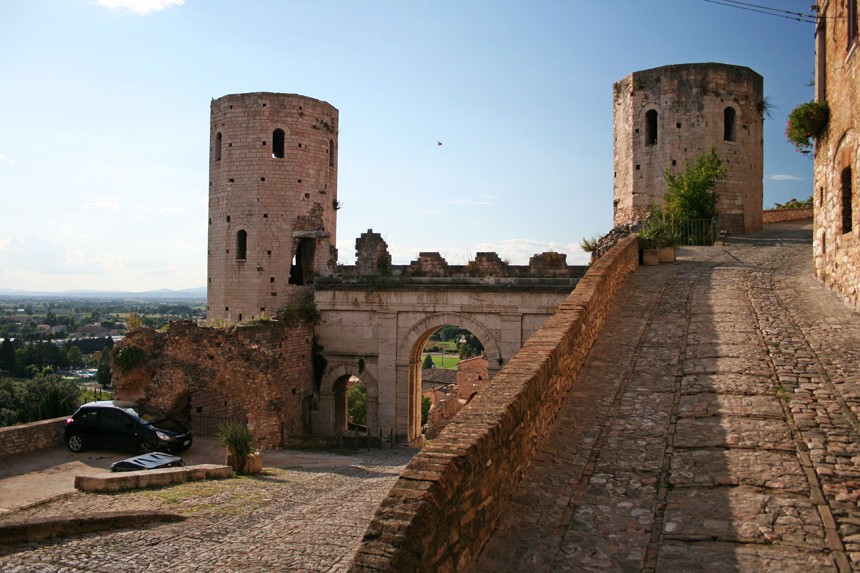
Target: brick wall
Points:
(33, 436)
(446, 502)
(783, 215)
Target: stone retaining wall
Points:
(782, 215)
(441, 511)
(33, 436)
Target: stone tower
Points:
(667, 116)
(272, 200)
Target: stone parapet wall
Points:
(25, 438)
(783, 215)
(447, 501)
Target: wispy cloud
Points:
(6, 159)
(784, 177)
(479, 200)
(108, 203)
(140, 6)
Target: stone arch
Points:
(333, 397)
(409, 356)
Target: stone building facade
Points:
(272, 200)
(836, 245)
(667, 116)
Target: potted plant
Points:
(667, 242)
(806, 123)
(648, 245)
(242, 455)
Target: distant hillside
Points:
(198, 293)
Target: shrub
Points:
(692, 193)
(239, 441)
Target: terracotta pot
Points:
(650, 258)
(666, 254)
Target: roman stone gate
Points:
(378, 335)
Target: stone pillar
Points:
(388, 400)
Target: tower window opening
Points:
(218, 146)
(241, 245)
(331, 153)
(729, 124)
(278, 143)
(847, 215)
(651, 125)
(302, 268)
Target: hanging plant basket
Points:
(806, 123)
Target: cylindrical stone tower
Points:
(272, 200)
(667, 116)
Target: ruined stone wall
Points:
(783, 215)
(690, 103)
(446, 502)
(836, 227)
(270, 205)
(263, 372)
(441, 412)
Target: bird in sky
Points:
(438, 144)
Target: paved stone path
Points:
(715, 427)
(285, 519)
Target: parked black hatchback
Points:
(123, 425)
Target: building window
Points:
(729, 124)
(847, 219)
(218, 146)
(331, 153)
(278, 143)
(851, 16)
(241, 245)
(651, 131)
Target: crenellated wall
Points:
(445, 504)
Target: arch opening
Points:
(729, 124)
(302, 267)
(241, 245)
(449, 368)
(651, 127)
(278, 144)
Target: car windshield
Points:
(146, 413)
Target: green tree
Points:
(428, 361)
(356, 402)
(425, 409)
(692, 193)
(103, 373)
(7, 356)
(75, 357)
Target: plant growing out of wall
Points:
(129, 357)
(805, 125)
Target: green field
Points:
(448, 361)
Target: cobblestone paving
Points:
(281, 520)
(715, 427)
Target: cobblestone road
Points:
(285, 519)
(715, 427)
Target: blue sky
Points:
(104, 120)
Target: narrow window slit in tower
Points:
(262, 178)
(232, 180)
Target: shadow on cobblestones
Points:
(684, 445)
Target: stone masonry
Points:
(260, 373)
(668, 116)
(836, 246)
(272, 200)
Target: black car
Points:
(124, 425)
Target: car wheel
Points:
(144, 447)
(75, 443)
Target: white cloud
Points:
(783, 177)
(6, 159)
(479, 200)
(140, 6)
(108, 203)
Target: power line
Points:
(767, 11)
